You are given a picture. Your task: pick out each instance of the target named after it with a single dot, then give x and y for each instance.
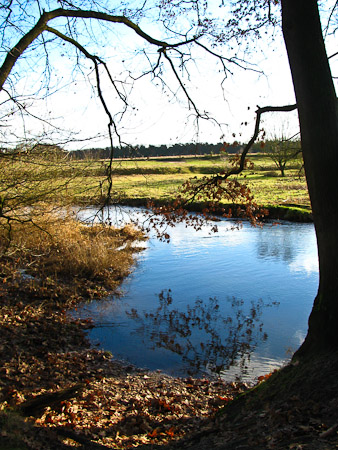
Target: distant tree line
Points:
(152, 151)
(156, 151)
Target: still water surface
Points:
(229, 304)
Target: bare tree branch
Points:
(235, 61)
(330, 18)
(332, 56)
(111, 124)
(41, 26)
(248, 146)
(178, 78)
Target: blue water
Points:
(232, 303)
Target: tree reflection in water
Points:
(201, 335)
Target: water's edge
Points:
(231, 304)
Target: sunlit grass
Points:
(75, 182)
(160, 179)
(59, 246)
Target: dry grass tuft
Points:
(64, 249)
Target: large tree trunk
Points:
(318, 117)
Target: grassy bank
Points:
(138, 180)
(46, 246)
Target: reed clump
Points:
(59, 247)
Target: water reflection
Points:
(201, 335)
(282, 242)
(175, 333)
(277, 244)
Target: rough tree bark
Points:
(318, 117)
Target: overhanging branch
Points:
(248, 146)
(14, 54)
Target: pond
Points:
(230, 304)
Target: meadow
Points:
(29, 179)
(135, 181)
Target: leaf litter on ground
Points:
(70, 394)
(52, 375)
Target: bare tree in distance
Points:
(282, 147)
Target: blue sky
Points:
(159, 116)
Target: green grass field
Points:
(137, 180)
